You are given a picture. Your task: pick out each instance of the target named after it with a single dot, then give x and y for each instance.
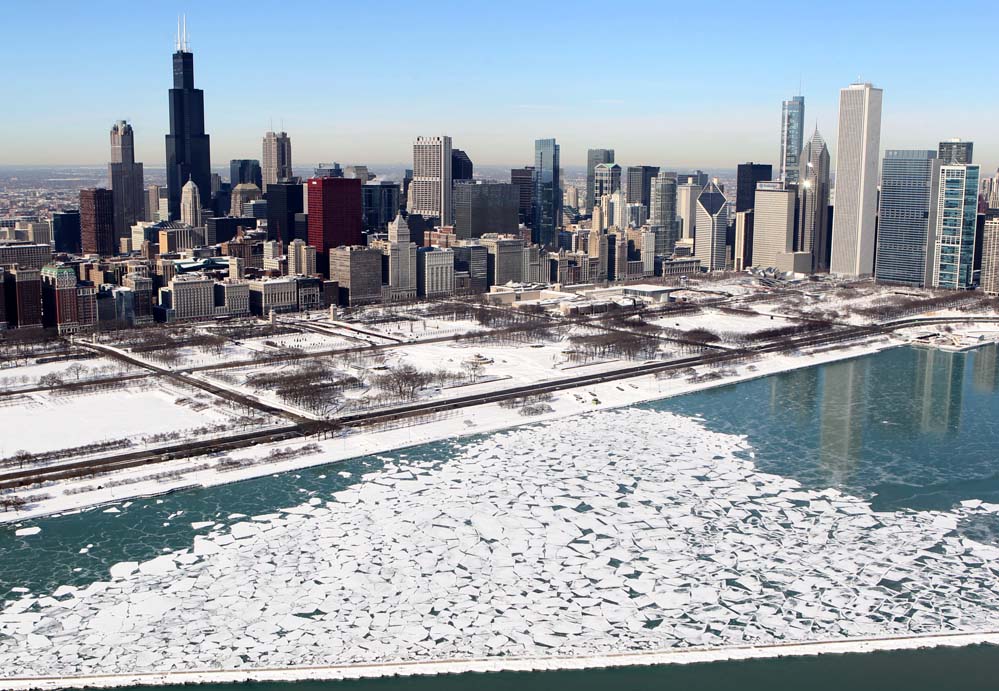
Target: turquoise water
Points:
(908, 428)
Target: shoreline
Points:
(505, 664)
(485, 419)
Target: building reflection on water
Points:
(836, 401)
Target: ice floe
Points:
(618, 531)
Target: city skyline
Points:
(493, 113)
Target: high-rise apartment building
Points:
(430, 189)
(990, 257)
(906, 226)
(792, 121)
(547, 193)
(712, 226)
(956, 226)
(813, 201)
(955, 151)
(97, 234)
(856, 180)
(126, 180)
(188, 154)
(276, 158)
(594, 157)
(334, 216)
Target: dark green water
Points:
(937, 669)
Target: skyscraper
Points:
(485, 208)
(523, 179)
(856, 180)
(955, 151)
(773, 223)
(276, 158)
(97, 222)
(746, 177)
(335, 217)
(813, 201)
(792, 120)
(594, 157)
(187, 146)
(686, 208)
(284, 200)
(547, 193)
(990, 257)
(126, 180)
(956, 226)
(712, 224)
(66, 230)
(662, 213)
(190, 205)
(245, 170)
(606, 180)
(401, 254)
(461, 165)
(905, 225)
(638, 182)
(430, 189)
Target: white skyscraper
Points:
(402, 261)
(773, 223)
(856, 196)
(190, 205)
(430, 190)
(712, 224)
(686, 208)
(276, 158)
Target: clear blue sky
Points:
(681, 83)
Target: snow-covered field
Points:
(43, 421)
(724, 323)
(620, 531)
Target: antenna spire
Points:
(183, 45)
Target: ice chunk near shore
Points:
(26, 532)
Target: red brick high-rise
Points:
(335, 216)
(97, 222)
